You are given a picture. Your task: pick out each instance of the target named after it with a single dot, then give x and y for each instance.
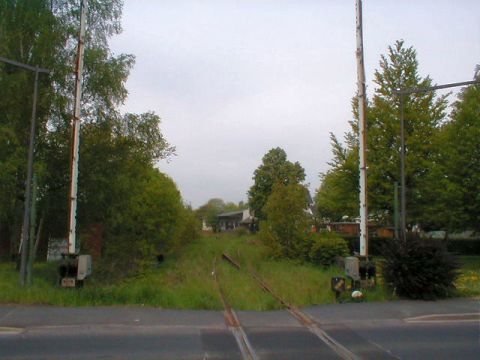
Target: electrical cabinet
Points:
(84, 267)
(352, 267)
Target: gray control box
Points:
(84, 267)
(352, 268)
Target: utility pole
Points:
(395, 210)
(403, 186)
(75, 268)
(31, 242)
(362, 133)
(28, 190)
(28, 183)
(72, 216)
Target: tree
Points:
(455, 184)
(145, 222)
(29, 33)
(424, 113)
(45, 33)
(139, 208)
(275, 168)
(338, 193)
(287, 225)
(209, 212)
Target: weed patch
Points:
(185, 281)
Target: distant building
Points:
(205, 226)
(234, 219)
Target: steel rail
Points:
(303, 319)
(232, 321)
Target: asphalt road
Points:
(391, 330)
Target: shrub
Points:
(152, 220)
(326, 247)
(287, 222)
(188, 228)
(419, 269)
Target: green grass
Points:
(468, 283)
(185, 281)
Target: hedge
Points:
(375, 245)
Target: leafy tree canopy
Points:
(424, 114)
(287, 225)
(139, 208)
(454, 192)
(275, 168)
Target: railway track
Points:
(232, 321)
(303, 319)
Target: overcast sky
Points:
(233, 79)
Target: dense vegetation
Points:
(294, 236)
(287, 236)
(184, 281)
(274, 169)
(442, 153)
(139, 209)
(419, 269)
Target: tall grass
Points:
(468, 282)
(185, 281)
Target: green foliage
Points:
(458, 183)
(424, 112)
(189, 229)
(423, 115)
(338, 193)
(241, 231)
(150, 220)
(419, 269)
(285, 231)
(209, 212)
(44, 33)
(139, 208)
(326, 247)
(184, 281)
(275, 168)
(468, 283)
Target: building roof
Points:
(231, 213)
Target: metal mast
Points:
(28, 184)
(362, 133)
(72, 218)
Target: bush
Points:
(419, 269)
(326, 247)
(464, 246)
(151, 220)
(287, 225)
(188, 228)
